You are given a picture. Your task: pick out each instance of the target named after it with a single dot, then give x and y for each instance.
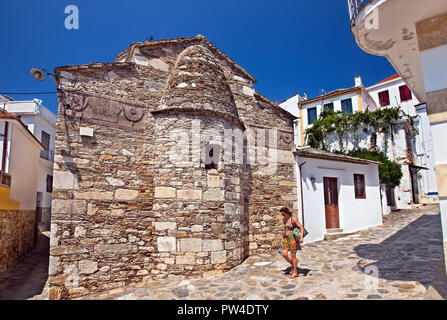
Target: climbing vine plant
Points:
(390, 172)
(341, 123)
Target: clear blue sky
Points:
(289, 46)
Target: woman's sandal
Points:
(293, 276)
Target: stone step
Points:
(334, 236)
(334, 230)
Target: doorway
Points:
(331, 203)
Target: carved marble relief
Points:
(284, 139)
(106, 111)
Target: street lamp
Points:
(39, 75)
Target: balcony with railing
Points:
(47, 154)
(388, 28)
(355, 7)
(5, 179)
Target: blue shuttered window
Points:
(311, 115)
(346, 106)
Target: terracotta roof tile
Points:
(396, 76)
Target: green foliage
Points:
(341, 123)
(390, 173)
(329, 121)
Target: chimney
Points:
(305, 96)
(358, 81)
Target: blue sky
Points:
(289, 46)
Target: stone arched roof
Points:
(198, 85)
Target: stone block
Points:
(191, 245)
(166, 244)
(218, 257)
(164, 192)
(213, 194)
(87, 267)
(253, 245)
(160, 226)
(185, 260)
(68, 206)
(126, 194)
(159, 64)
(94, 195)
(113, 248)
(212, 245)
(114, 182)
(248, 91)
(189, 194)
(213, 181)
(197, 228)
(54, 265)
(65, 180)
(79, 231)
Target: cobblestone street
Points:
(393, 261)
(406, 251)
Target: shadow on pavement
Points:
(27, 277)
(411, 254)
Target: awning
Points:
(414, 168)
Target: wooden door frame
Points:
(325, 184)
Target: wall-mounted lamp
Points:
(312, 179)
(39, 75)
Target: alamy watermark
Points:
(72, 20)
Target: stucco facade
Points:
(18, 185)
(353, 213)
(42, 124)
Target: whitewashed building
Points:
(337, 194)
(413, 152)
(42, 124)
(349, 100)
(413, 38)
(19, 164)
(394, 92)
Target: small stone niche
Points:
(212, 156)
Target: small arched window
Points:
(212, 155)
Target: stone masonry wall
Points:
(16, 236)
(119, 205)
(201, 227)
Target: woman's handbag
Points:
(297, 233)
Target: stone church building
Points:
(168, 165)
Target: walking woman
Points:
(290, 244)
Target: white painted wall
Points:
(337, 106)
(355, 214)
(434, 65)
(38, 118)
(24, 166)
(291, 105)
(425, 151)
(393, 88)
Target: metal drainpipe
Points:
(301, 187)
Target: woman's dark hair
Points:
(285, 210)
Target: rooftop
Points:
(308, 152)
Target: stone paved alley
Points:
(394, 261)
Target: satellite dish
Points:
(37, 74)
